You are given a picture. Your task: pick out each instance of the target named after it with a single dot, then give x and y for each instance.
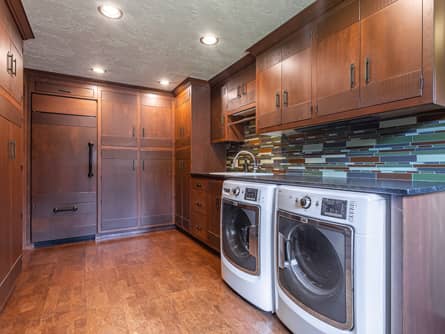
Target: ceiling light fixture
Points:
(98, 70)
(164, 82)
(110, 11)
(209, 40)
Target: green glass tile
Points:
(398, 122)
(429, 177)
(439, 137)
(392, 140)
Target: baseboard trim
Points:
(56, 242)
(130, 234)
(8, 284)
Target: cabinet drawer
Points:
(199, 226)
(200, 184)
(54, 220)
(63, 89)
(199, 201)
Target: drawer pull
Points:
(198, 185)
(9, 61)
(199, 204)
(14, 67)
(71, 209)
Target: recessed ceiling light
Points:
(164, 82)
(209, 40)
(98, 70)
(110, 11)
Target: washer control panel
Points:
(251, 194)
(334, 208)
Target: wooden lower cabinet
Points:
(119, 190)
(156, 188)
(182, 192)
(11, 204)
(206, 211)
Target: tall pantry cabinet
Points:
(12, 34)
(194, 152)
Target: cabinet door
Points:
(119, 119)
(183, 118)
(119, 190)
(218, 121)
(156, 188)
(179, 186)
(214, 205)
(391, 50)
(297, 77)
(186, 191)
(5, 201)
(16, 187)
(156, 120)
(268, 112)
(338, 61)
(248, 86)
(4, 51)
(16, 80)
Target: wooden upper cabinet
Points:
(391, 48)
(296, 77)
(119, 118)
(16, 81)
(217, 114)
(183, 118)
(156, 120)
(268, 112)
(241, 90)
(337, 64)
(4, 61)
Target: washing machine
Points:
(247, 241)
(331, 260)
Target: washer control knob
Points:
(305, 202)
(236, 191)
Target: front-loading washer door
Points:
(315, 267)
(240, 235)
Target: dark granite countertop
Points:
(385, 187)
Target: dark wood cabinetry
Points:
(391, 49)
(119, 118)
(119, 202)
(12, 202)
(206, 210)
(156, 117)
(182, 189)
(337, 65)
(241, 90)
(284, 81)
(363, 58)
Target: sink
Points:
(241, 174)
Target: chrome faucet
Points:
(250, 154)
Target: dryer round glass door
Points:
(240, 239)
(315, 267)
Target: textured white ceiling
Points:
(155, 39)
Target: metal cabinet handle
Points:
(277, 100)
(143, 164)
(244, 89)
(12, 150)
(352, 75)
(198, 185)
(367, 70)
(133, 132)
(133, 167)
(9, 61)
(238, 91)
(70, 209)
(14, 67)
(198, 204)
(285, 98)
(143, 132)
(90, 160)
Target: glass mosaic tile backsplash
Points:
(407, 148)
